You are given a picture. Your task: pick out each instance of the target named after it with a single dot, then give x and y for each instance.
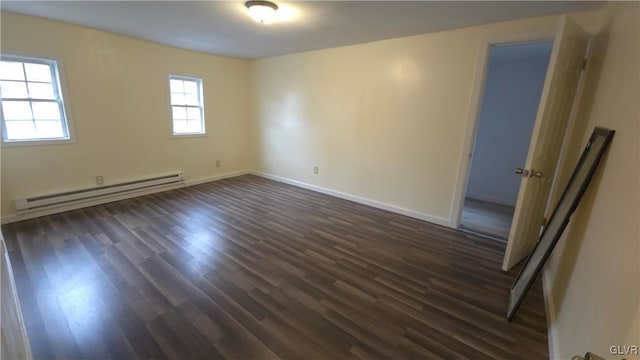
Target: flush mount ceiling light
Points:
(261, 11)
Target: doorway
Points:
(512, 88)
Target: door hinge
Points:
(585, 61)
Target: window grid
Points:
(42, 126)
(186, 105)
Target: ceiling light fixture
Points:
(261, 11)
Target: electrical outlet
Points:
(99, 180)
(315, 169)
(217, 163)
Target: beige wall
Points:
(117, 97)
(594, 272)
(385, 121)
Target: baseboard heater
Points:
(97, 193)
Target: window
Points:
(186, 105)
(32, 106)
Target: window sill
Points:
(186, 136)
(37, 142)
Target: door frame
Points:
(14, 343)
(477, 94)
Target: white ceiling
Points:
(224, 27)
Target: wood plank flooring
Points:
(486, 217)
(248, 268)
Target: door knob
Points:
(528, 173)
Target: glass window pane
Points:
(29, 104)
(180, 126)
(176, 85)
(10, 70)
(193, 113)
(194, 127)
(49, 129)
(46, 110)
(179, 113)
(177, 98)
(186, 106)
(20, 130)
(13, 89)
(41, 91)
(191, 87)
(191, 99)
(38, 72)
(16, 110)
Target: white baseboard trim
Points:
(491, 199)
(358, 199)
(550, 310)
(116, 197)
(216, 177)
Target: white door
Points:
(558, 95)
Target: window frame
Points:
(59, 92)
(200, 84)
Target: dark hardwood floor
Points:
(248, 268)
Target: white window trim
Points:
(59, 91)
(200, 82)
